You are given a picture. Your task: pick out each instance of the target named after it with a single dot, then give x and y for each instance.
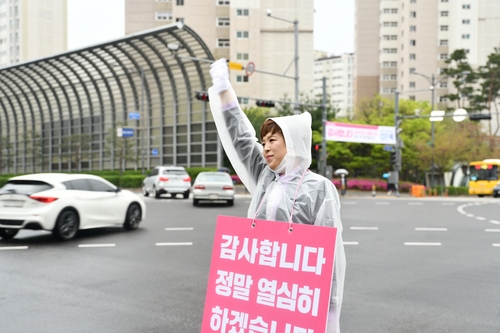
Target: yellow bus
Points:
(483, 176)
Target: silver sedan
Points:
(213, 187)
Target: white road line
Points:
(494, 222)
(431, 229)
(415, 203)
(448, 204)
(480, 218)
(5, 248)
(174, 244)
(351, 243)
(492, 230)
(349, 203)
(382, 203)
(179, 229)
(496, 244)
(364, 228)
(96, 245)
(470, 215)
(422, 244)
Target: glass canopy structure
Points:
(62, 113)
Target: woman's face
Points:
(274, 149)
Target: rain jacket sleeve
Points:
(238, 137)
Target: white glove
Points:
(220, 75)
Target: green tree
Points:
(34, 148)
(121, 150)
(463, 83)
(77, 148)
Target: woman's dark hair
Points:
(269, 126)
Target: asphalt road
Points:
(414, 265)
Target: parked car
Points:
(167, 179)
(66, 203)
(213, 186)
(496, 191)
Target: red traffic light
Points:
(316, 147)
(202, 96)
(265, 104)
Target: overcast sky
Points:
(96, 21)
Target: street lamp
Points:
(140, 70)
(296, 58)
(433, 81)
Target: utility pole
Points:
(397, 166)
(323, 143)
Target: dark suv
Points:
(167, 179)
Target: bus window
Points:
(483, 172)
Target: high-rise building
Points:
(241, 30)
(339, 74)
(31, 29)
(395, 38)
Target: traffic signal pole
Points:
(397, 165)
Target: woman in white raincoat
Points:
(276, 172)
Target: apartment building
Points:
(31, 29)
(339, 74)
(241, 30)
(395, 38)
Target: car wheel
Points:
(133, 217)
(66, 225)
(144, 191)
(186, 194)
(195, 202)
(480, 195)
(154, 193)
(230, 202)
(8, 233)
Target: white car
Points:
(212, 187)
(171, 180)
(66, 203)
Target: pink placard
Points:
(266, 279)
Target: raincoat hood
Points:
(298, 137)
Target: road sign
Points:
(388, 148)
(124, 132)
(154, 152)
(134, 115)
(250, 68)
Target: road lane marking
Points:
(422, 244)
(96, 245)
(448, 204)
(492, 230)
(470, 215)
(496, 244)
(431, 229)
(351, 243)
(174, 244)
(495, 222)
(179, 229)
(364, 228)
(382, 203)
(5, 248)
(480, 218)
(415, 203)
(349, 202)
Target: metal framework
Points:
(60, 113)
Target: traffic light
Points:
(479, 116)
(393, 158)
(202, 96)
(316, 151)
(265, 104)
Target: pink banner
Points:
(360, 133)
(267, 279)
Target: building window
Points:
(465, 21)
(242, 100)
(241, 78)
(179, 19)
(413, 1)
(179, 2)
(163, 0)
(390, 64)
(390, 37)
(466, 51)
(465, 36)
(444, 0)
(413, 28)
(390, 24)
(443, 28)
(223, 2)
(242, 56)
(443, 42)
(412, 85)
(412, 70)
(390, 11)
(465, 6)
(223, 42)
(241, 12)
(413, 14)
(163, 16)
(444, 13)
(223, 21)
(413, 42)
(443, 56)
(443, 99)
(443, 84)
(242, 34)
(389, 50)
(413, 56)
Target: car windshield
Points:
(483, 172)
(222, 177)
(174, 172)
(27, 187)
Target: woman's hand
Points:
(220, 75)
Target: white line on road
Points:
(492, 230)
(179, 229)
(415, 203)
(496, 244)
(96, 245)
(470, 215)
(364, 228)
(422, 244)
(495, 222)
(351, 243)
(448, 204)
(349, 203)
(382, 203)
(431, 229)
(480, 218)
(174, 244)
(4, 248)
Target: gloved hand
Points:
(220, 75)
